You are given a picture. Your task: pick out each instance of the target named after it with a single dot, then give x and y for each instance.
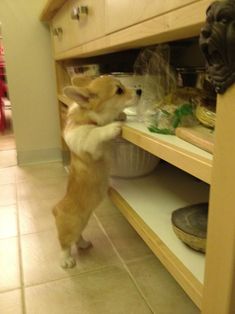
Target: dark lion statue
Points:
(217, 42)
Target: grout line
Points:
(6, 150)
(10, 290)
(139, 259)
(124, 264)
(20, 256)
(23, 234)
(91, 271)
(8, 237)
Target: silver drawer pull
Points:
(57, 31)
(79, 12)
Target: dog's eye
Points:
(119, 91)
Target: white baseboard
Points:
(39, 156)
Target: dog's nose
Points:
(139, 92)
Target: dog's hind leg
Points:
(67, 237)
(83, 244)
(66, 259)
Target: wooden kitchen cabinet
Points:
(146, 203)
(61, 26)
(121, 14)
(77, 22)
(92, 26)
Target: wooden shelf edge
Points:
(65, 100)
(190, 162)
(181, 274)
(175, 25)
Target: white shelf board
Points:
(155, 197)
(174, 150)
(170, 139)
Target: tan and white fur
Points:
(90, 127)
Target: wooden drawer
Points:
(61, 28)
(123, 13)
(91, 26)
(68, 32)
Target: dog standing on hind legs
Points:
(89, 128)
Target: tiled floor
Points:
(118, 275)
(7, 142)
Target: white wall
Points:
(31, 80)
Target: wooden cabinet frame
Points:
(217, 295)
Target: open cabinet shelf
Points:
(170, 148)
(148, 202)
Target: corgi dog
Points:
(90, 126)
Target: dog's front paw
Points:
(113, 130)
(67, 262)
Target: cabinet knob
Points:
(57, 31)
(79, 12)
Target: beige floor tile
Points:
(7, 194)
(53, 188)
(108, 291)
(7, 175)
(38, 189)
(8, 158)
(160, 289)
(10, 302)
(40, 171)
(36, 216)
(27, 190)
(9, 264)
(8, 221)
(126, 240)
(7, 141)
(40, 252)
(106, 208)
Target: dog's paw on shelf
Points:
(113, 130)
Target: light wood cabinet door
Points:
(61, 28)
(123, 13)
(90, 25)
(77, 22)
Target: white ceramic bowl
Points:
(130, 161)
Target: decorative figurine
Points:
(217, 42)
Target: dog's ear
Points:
(81, 80)
(80, 95)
